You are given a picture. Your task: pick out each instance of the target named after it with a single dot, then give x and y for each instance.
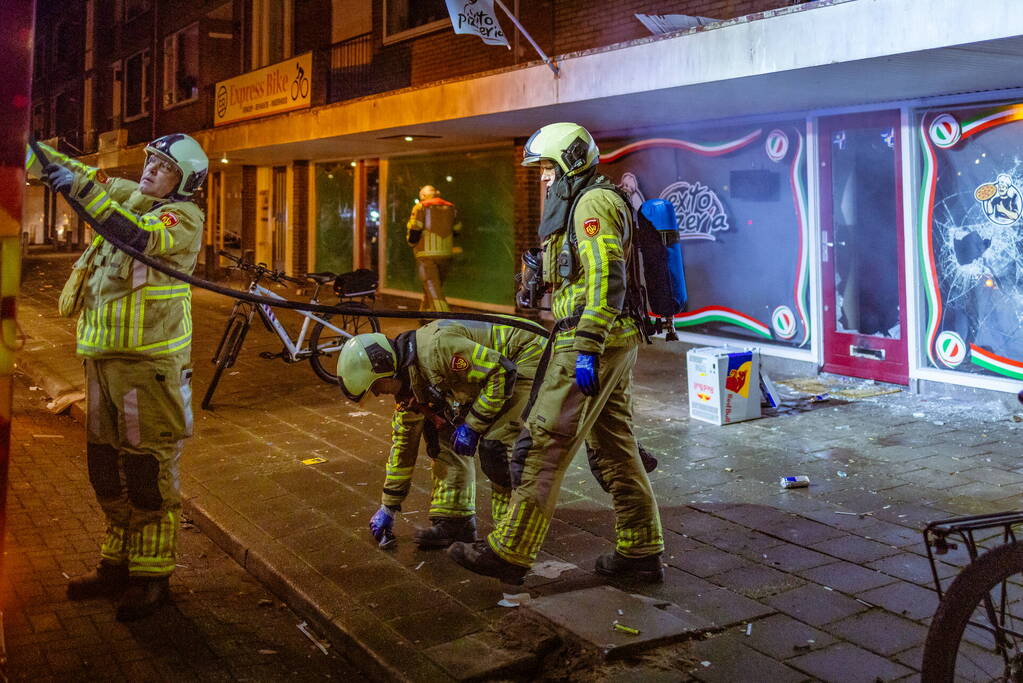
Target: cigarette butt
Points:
(626, 629)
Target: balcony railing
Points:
(359, 67)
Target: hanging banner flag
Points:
(477, 17)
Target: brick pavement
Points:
(222, 625)
(832, 578)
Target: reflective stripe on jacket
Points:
(130, 309)
(474, 365)
(596, 291)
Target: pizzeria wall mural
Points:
(970, 250)
(740, 198)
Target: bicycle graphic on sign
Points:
(300, 86)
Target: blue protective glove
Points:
(58, 177)
(381, 523)
(587, 369)
(465, 440)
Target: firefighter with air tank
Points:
(431, 231)
(585, 388)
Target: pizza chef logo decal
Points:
(459, 364)
(1000, 200)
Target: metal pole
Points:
(17, 17)
(546, 60)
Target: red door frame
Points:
(849, 353)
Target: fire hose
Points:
(162, 267)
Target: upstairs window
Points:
(271, 31)
(407, 18)
(181, 66)
(136, 85)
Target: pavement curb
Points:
(306, 591)
(360, 638)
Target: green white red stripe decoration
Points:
(721, 314)
(802, 285)
(707, 150)
(926, 239)
(995, 363)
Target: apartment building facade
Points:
(843, 171)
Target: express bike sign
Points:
(274, 89)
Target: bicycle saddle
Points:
(321, 278)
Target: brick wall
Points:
(300, 225)
(443, 54)
(559, 27)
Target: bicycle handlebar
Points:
(261, 269)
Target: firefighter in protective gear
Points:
(585, 390)
(430, 232)
(469, 381)
(135, 334)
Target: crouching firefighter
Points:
(583, 390)
(467, 379)
(135, 334)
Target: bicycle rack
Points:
(936, 539)
(937, 534)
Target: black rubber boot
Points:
(478, 557)
(646, 569)
(108, 580)
(142, 597)
(445, 531)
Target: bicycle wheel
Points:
(227, 352)
(977, 631)
(326, 342)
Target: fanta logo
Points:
(169, 220)
(700, 212)
(591, 226)
(459, 364)
(703, 397)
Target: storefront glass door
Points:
(863, 283)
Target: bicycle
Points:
(977, 630)
(325, 338)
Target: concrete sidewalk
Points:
(832, 579)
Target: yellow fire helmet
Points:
(187, 155)
(568, 145)
(364, 359)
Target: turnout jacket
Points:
(130, 310)
(473, 367)
(595, 291)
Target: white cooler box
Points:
(724, 384)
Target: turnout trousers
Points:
(432, 273)
(560, 419)
(139, 413)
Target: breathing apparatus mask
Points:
(531, 287)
